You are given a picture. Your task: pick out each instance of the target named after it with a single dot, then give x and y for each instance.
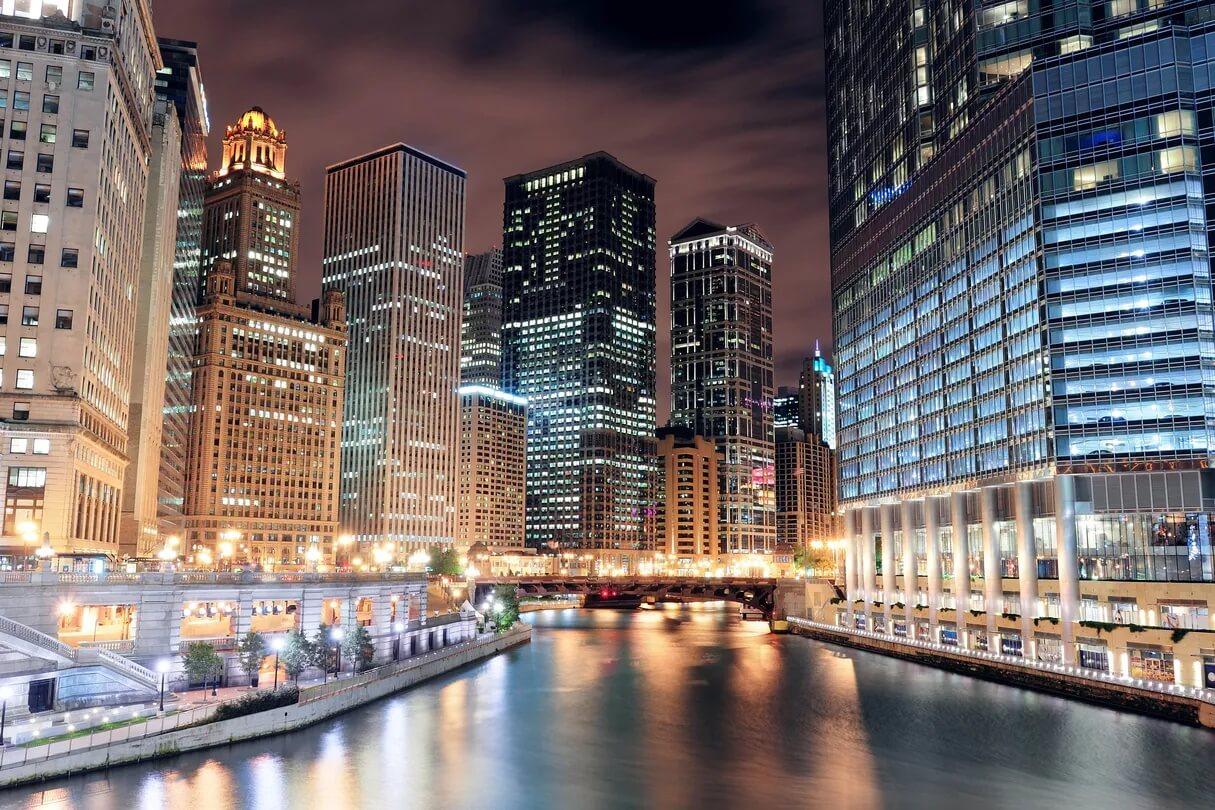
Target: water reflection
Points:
(677, 708)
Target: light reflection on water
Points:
(681, 707)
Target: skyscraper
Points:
(816, 398)
(687, 512)
(805, 489)
(268, 373)
(721, 369)
(786, 408)
(493, 468)
(72, 223)
(1021, 277)
(180, 82)
(394, 244)
(579, 345)
(481, 328)
(140, 527)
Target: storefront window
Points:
(900, 627)
(945, 551)
(1094, 656)
(974, 548)
(1051, 605)
(1091, 610)
(1050, 649)
(879, 623)
(923, 631)
(1124, 611)
(1185, 614)
(949, 635)
(921, 553)
(1153, 547)
(1006, 533)
(1151, 665)
(1046, 548)
(896, 552)
(860, 621)
(1010, 643)
(978, 638)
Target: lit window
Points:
(25, 378)
(28, 348)
(40, 223)
(42, 447)
(84, 80)
(18, 445)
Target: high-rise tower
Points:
(481, 328)
(578, 335)
(816, 399)
(394, 244)
(721, 369)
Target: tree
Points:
(815, 559)
(447, 562)
(202, 663)
(358, 647)
(252, 651)
(324, 650)
(296, 654)
(504, 607)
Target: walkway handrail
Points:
(37, 638)
(1195, 692)
(133, 670)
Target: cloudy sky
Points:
(719, 100)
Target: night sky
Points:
(721, 101)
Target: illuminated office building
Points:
(1021, 285)
(481, 328)
(579, 345)
(394, 244)
(493, 468)
(786, 408)
(805, 489)
(816, 398)
(77, 143)
(721, 369)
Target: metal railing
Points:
(1029, 665)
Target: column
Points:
(932, 531)
(911, 583)
(869, 576)
(1027, 559)
(961, 555)
(992, 587)
(889, 585)
(851, 561)
(1069, 573)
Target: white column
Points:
(932, 531)
(992, 587)
(911, 581)
(961, 554)
(869, 576)
(886, 521)
(1069, 573)
(1027, 559)
(851, 558)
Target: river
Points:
(682, 707)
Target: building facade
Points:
(77, 144)
(180, 82)
(688, 513)
(140, 526)
(481, 328)
(805, 490)
(268, 377)
(394, 245)
(816, 398)
(579, 345)
(722, 369)
(786, 408)
(1022, 329)
(493, 468)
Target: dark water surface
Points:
(683, 708)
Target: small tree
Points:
(252, 651)
(296, 654)
(324, 651)
(447, 562)
(358, 647)
(815, 559)
(202, 663)
(505, 607)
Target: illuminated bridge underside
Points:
(753, 594)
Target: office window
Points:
(47, 133)
(70, 257)
(8, 251)
(3, 345)
(50, 104)
(25, 379)
(84, 80)
(80, 138)
(29, 316)
(21, 412)
(6, 68)
(3, 99)
(42, 193)
(12, 189)
(33, 285)
(25, 43)
(24, 497)
(8, 220)
(39, 223)
(54, 75)
(21, 100)
(36, 255)
(42, 447)
(16, 130)
(75, 198)
(28, 347)
(63, 319)
(25, 70)
(3, 314)
(46, 163)
(6, 282)
(16, 159)
(18, 445)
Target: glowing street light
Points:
(277, 644)
(162, 666)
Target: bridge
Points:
(755, 595)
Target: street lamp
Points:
(337, 634)
(313, 556)
(5, 693)
(398, 628)
(162, 666)
(277, 645)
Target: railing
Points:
(205, 577)
(1198, 693)
(218, 643)
(15, 577)
(13, 756)
(125, 645)
(37, 638)
(137, 672)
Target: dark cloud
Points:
(719, 100)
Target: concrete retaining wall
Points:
(332, 699)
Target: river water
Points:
(683, 707)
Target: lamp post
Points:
(5, 693)
(345, 541)
(337, 634)
(162, 666)
(398, 628)
(276, 645)
(313, 556)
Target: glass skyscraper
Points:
(481, 327)
(578, 344)
(1023, 319)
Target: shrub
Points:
(1178, 634)
(835, 600)
(254, 702)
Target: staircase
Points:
(35, 644)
